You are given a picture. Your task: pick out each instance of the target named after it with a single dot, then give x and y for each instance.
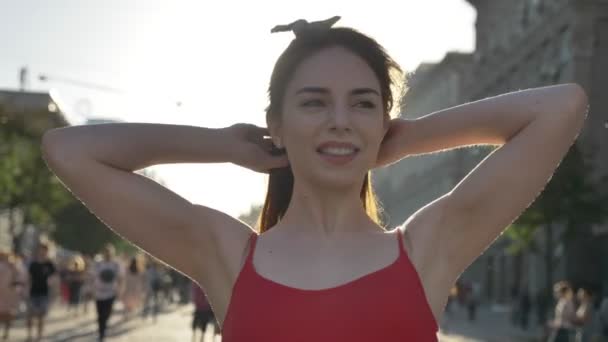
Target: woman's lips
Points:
(337, 152)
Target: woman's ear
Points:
(274, 129)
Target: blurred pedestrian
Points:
(473, 297)
(21, 282)
(603, 318)
(74, 278)
(166, 287)
(525, 306)
(64, 291)
(562, 325)
(451, 298)
(108, 280)
(203, 315)
(585, 316)
(135, 285)
(87, 291)
(9, 297)
(154, 285)
(42, 278)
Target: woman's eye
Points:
(312, 103)
(366, 104)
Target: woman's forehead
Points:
(336, 69)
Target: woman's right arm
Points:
(97, 163)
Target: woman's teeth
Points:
(338, 151)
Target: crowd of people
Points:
(28, 288)
(578, 317)
(143, 285)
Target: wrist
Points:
(227, 145)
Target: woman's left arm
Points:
(535, 127)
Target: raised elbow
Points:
(578, 101)
(48, 140)
(50, 143)
(54, 147)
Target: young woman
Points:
(321, 266)
(585, 320)
(135, 285)
(562, 325)
(74, 278)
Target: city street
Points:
(173, 324)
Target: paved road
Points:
(172, 325)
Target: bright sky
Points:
(215, 57)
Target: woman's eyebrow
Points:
(316, 90)
(362, 91)
(321, 90)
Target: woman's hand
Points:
(252, 148)
(391, 149)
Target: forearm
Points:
(492, 121)
(134, 146)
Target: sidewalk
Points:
(172, 325)
(492, 324)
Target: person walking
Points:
(135, 286)
(74, 279)
(108, 281)
(562, 325)
(584, 317)
(202, 315)
(43, 280)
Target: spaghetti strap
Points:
(252, 242)
(400, 238)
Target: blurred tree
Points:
(573, 198)
(77, 229)
(27, 187)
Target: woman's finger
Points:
(269, 161)
(266, 144)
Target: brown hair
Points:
(137, 264)
(389, 74)
(563, 287)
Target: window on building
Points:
(565, 53)
(525, 15)
(539, 6)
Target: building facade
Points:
(519, 44)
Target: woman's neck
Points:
(326, 213)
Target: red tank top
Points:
(386, 305)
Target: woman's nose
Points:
(340, 118)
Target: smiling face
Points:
(332, 120)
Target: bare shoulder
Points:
(225, 249)
(428, 254)
(226, 240)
